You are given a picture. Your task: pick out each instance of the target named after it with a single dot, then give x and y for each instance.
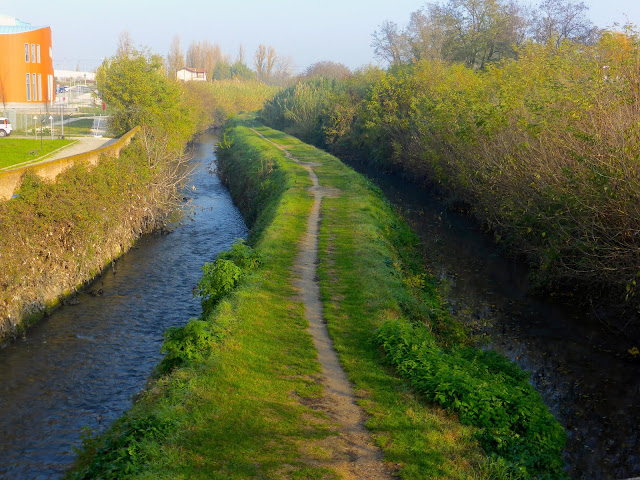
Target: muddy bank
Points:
(579, 364)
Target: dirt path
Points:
(353, 454)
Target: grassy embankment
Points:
(16, 150)
(542, 149)
(233, 398)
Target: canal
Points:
(81, 367)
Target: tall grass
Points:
(213, 103)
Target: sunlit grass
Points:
(18, 150)
(241, 412)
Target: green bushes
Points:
(122, 455)
(486, 391)
(191, 342)
(544, 148)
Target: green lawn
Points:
(80, 127)
(17, 150)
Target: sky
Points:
(84, 33)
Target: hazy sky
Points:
(84, 33)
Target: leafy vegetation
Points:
(486, 391)
(543, 148)
(236, 403)
(54, 237)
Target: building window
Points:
(33, 87)
(26, 52)
(49, 88)
(40, 87)
(33, 53)
(50, 52)
(38, 52)
(28, 88)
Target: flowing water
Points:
(582, 369)
(81, 367)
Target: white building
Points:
(191, 74)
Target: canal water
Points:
(580, 366)
(81, 367)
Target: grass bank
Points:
(542, 150)
(234, 397)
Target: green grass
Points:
(16, 150)
(237, 405)
(80, 127)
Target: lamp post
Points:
(41, 132)
(51, 120)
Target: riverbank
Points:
(80, 367)
(244, 401)
(55, 237)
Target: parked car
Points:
(5, 127)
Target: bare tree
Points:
(175, 58)
(211, 55)
(125, 44)
(194, 55)
(283, 69)
(560, 20)
(240, 56)
(389, 44)
(265, 60)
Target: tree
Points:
(240, 57)
(264, 60)
(559, 20)
(389, 44)
(175, 58)
(425, 36)
(125, 44)
(133, 83)
(477, 31)
(473, 32)
(241, 71)
(328, 69)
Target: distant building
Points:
(74, 75)
(192, 74)
(26, 65)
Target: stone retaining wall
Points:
(10, 179)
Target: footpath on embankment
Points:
(297, 371)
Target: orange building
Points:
(26, 65)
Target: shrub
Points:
(486, 391)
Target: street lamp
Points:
(51, 120)
(41, 132)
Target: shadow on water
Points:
(82, 366)
(579, 366)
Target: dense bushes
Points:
(55, 236)
(544, 148)
(486, 391)
(188, 343)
